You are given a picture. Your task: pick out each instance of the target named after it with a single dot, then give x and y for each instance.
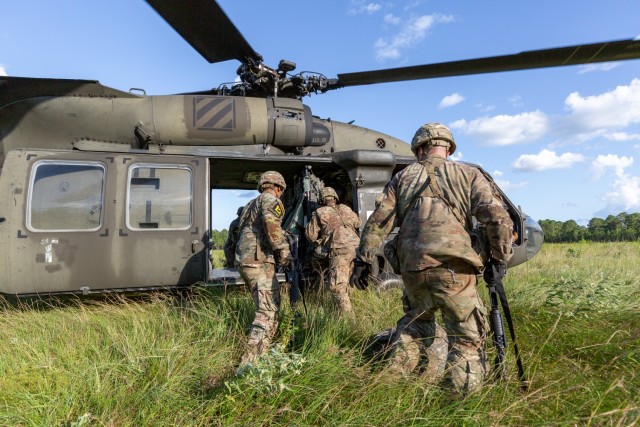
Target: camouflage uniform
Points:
(334, 228)
(437, 261)
(232, 238)
(261, 236)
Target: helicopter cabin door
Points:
(84, 222)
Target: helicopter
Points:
(105, 190)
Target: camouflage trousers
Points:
(452, 290)
(265, 291)
(340, 267)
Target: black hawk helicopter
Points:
(104, 190)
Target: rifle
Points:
(493, 274)
(293, 275)
(306, 188)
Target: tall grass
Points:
(143, 362)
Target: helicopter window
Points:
(160, 197)
(66, 196)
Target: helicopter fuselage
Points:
(103, 190)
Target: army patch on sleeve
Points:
(278, 209)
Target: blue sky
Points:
(564, 143)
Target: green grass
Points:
(142, 362)
(217, 258)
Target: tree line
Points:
(618, 228)
(218, 238)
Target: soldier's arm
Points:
(313, 228)
(355, 218)
(379, 224)
(272, 214)
(489, 210)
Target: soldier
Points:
(232, 239)
(434, 200)
(333, 227)
(262, 243)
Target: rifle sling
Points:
(507, 314)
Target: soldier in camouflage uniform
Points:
(262, 243)
(434, 200)
(232, 238)
(334, 227)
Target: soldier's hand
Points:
(284, 258)
(360, 276)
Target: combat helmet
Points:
(239, 211)
(437, 132)
(272, 178)
(329, 192)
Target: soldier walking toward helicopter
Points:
(232, 239)
(434, 200)
(262, 244)
(334, 230)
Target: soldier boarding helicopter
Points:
(104, 190)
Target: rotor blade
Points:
(571, 55)
(205, 26)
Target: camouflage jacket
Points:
(260, 232)
(334, 227)
(430, 233)
(230, 244)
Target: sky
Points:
(562, 142)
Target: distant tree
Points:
(596, 230)
(570, 231)
(218, 238)
(633, 226)
(614, 226)
(552, 230)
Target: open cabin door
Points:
(77, 222)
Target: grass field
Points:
(142, 362)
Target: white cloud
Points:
(3, 71)
(614, 109)
(604, 66)
(390, 18)
(506, 185)
(485, 108)
(546, 159)
(505, 129)
(411, 32)
(602, 163)
(623, 136)
(457, 156)
(516, 101)
(358, 6)
(623, 197)
(450, 100)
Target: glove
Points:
(284, 258)
(360, 276)
(494, 271)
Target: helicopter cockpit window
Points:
(66, 196)
(159, 197)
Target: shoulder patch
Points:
(277, 209)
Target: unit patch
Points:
(278, 210)
(214, 113)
